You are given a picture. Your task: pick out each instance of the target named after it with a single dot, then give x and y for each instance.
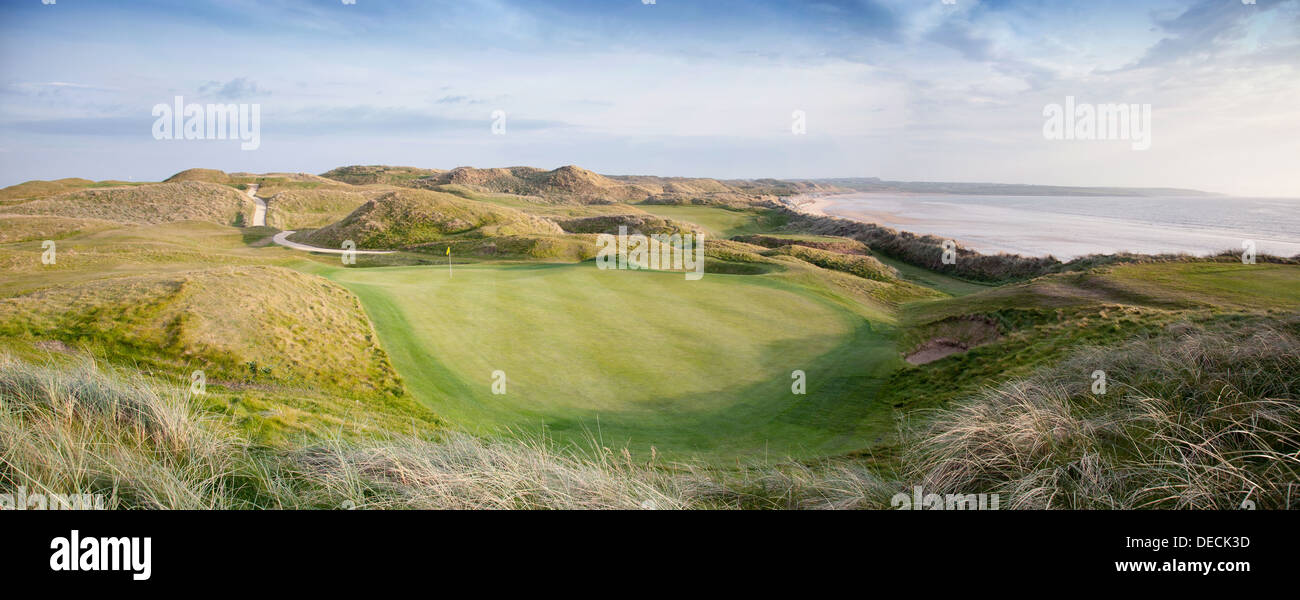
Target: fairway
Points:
(631, 358)
(718, 223)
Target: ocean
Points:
(1071, 226)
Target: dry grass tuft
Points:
(1197, 419)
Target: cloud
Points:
(458, 100)
(88, 126)
(962, 38)
(388, 121)
(52, 88)
(235, 89)
(1207, 29)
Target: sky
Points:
(916, 90)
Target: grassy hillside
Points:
(406, 218)
(364, 175)
(863, 266)
(1013, 330)
(575, 185)
(292, 208)
(283, 352)
(1202, 417)
(207, 175)
(634, 223)
(39, 189)
(719, 223)
(155, 203)
(238, 324)
(571, 184)
(22, 228)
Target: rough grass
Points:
(406, 218)
(208, 175)
(634, 223)
(720, 223)
(264, 325)
(289, 208)
(23, 228)
(866, 267)
(1194, 419)
(154, 203)
(574, 186)
(820, 242)
(78, 430)
(40, 189)
(129, 250)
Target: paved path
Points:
(282, 239)
(259, 213)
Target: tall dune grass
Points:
(1197, 419)
(79, 430)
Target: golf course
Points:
(628, 357)
(369, 327)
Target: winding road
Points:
(259, 213)
(282, 238)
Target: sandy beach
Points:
(813, 204)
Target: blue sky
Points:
(901, 89)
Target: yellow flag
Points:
(448, 250)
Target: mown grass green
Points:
(634, 358)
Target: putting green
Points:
(630, 358)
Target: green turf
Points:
(938, 281)
(807, 237)
(1219, 284)
(720, 223)
(636, 358)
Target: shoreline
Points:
(991, 229)
(813, 204)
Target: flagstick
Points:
(449, 275)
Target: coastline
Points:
(813, 204)
(1032, 231)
